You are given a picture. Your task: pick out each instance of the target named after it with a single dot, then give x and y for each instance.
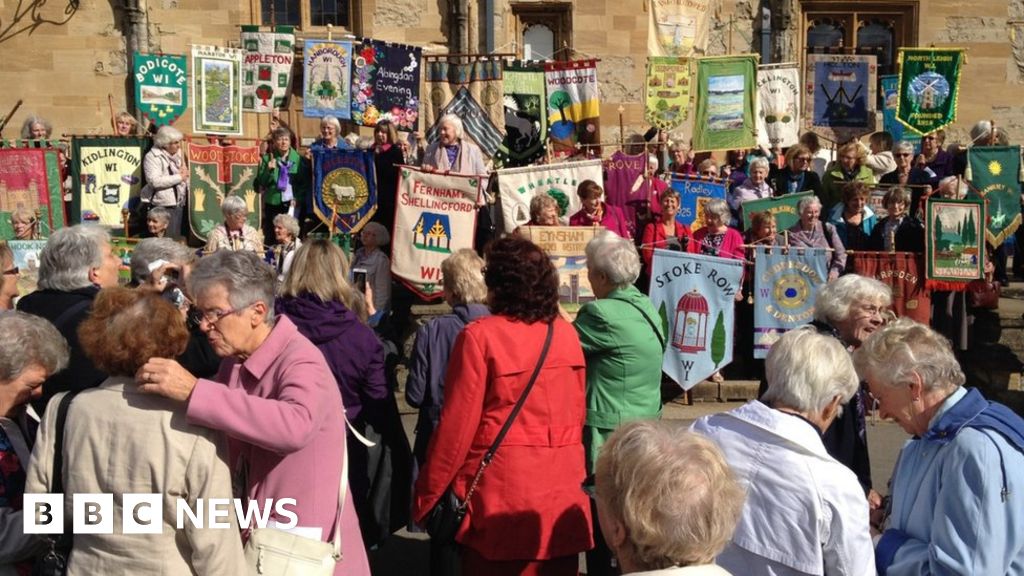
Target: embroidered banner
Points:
(517, 186)
(471, 91)
(694, 295)
(929, 87)
(903, 272)
(954, 244)
(217, 90)
(327, 70)
(778, 106)
(26, 259)
(385, 84)
(668, 92)
(840, 95)
(106, 176)
(214, 173)
(890, 86)
(566, 246)
(344, 189)
(785, 285)
(161, 86)
(574, 107)
(782, 207)
(436, 216)
(726, 92)
(678, 28)
(31, 178)
(694, 193)
(994, 174)
(266, 67)
(526, 118)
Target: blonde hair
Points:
(463, 277)
(855, 148)
(321, 269)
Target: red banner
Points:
(31, 178)
(903, 272)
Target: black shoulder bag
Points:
(54, 562)
(444, 520)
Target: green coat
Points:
(622, 338)
(266, 179)
(832, 186)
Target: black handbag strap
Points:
(661, 340)
(489, 455)
(57, 485)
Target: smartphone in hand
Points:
(359, 279)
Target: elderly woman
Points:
(851, 309)
(683, 159)
(330, 136)
(716, 238)
(543, 211)
(36, 128)
(125, 125)
(849, 168)
(275, 396)
(753, 188)
(798, 174)
(667, 499)
(527, 514)
(958, 487)
(371, 258)
(154, 447)
(166, 177)
(707, 169)
(853, 219)
(235, 233)
(387, 156)
(286, 233)
(25, 224)
(9, 275)
(283, 180)
(933, 157)
(597, 212)
(811, 232)
(906, 174)
(899, 230)
(814, 521)
(667, 233)
(620, 331)
(452, 152)
(30, 350)
(158, 221)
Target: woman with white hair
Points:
(620, 332)
(957, 493)
(805, 512)
(25, 224)
(158, 221)
(235, 233)
(452, 151)
(36, 128)
(754, 187)
(286, 232)
(330, 136)
(166, 177)
(716, 238)
(810, 232)
(372, 259)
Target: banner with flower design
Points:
(214, 173)
(385, 83)
(472, 91)
(327, 70)
(266, 68)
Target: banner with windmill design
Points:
(214, 173)
(161, 86)
(518, 186)
(840, 95)
(266, 67)
(574, 106)
(344, 189)
(994, 173)
(778, 106)
(436, 215)
(929, 87)
(327, 74)
(695, 297)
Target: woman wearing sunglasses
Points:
(797, 175)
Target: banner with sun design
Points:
(518, 186)
(929, 87)
(994, 173)
(344, 193)
(784, 289)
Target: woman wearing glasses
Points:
(933, 157)
(797, 175)
(907, 174)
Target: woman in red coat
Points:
(528, 514)
(666, 231)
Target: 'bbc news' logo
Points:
(144, 513)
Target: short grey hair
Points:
(378, 229)
(150, 250)
(539, 202)
(808, 201)
(26, 126)
(27, 340)
(760, 162)
(69, 255)
(904, 146)
(289, 223)
(643, 461)
(333, 122)
(233, 205)
(718, 207)
(167, 135)
(896, 194)
(456, 123)
(159, 213)
(462, 274)
(615, 257)
(806, 370)
(902, 347)
(244, 275)
(835, 300)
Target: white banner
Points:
(778, 107)
(266, 69)
(436, 216)
(517, 186)
(678, 28)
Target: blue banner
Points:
(784, 289)
(693, 195)
(327, 77)
(344, 192)
(695, 297)
(890, 96)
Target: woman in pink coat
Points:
(274, 397)
(597, 212)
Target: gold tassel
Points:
(1020, 172)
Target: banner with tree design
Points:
(929, 87)
(216, 172)
(726, 96)
(954, 243)
(574, 107)
(267, 67)
(994, 173)
(327, 74)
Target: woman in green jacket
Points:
(623, 342)
(283, 180)
(849, 168)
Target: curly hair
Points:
(128, 327)
(522, 281)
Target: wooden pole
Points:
(622, 127)
(113, 115)
(6, 119)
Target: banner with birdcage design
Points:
(695, 296)
(778, 106)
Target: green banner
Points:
(929, 88)
(668, 92)
(106, 176)
(161, 86)
(994, 174)
(782, 207)
(726, 92)
(215, 172)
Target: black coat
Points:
(909, 235)
(780, 182)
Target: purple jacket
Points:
(351, 348)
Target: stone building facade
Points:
(68, 60)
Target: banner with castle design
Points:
(106, 176)
(214, 173)
(30, 179)
(695, 297)
(518, 186)
(840, 93)
(344, 189)
(161, 86)
(785, 285)
(266, 67)
(778, 106)
(435, 216)
(929, 87)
